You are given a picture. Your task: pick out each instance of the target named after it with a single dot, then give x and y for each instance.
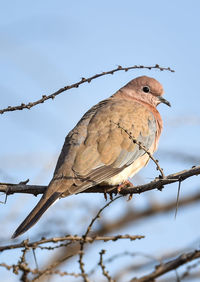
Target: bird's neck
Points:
(123, 95)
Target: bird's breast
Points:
(131, 170)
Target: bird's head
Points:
(145, 89)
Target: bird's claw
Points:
(125, 184)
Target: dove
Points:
(97, 152)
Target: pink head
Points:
(145, 89)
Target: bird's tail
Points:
(44, 203)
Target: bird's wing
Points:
(97, 149)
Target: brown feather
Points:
(97, 151)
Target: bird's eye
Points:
(146, 89)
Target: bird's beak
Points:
(164, 101)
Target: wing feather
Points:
(97, 149)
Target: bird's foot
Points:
(125, 184)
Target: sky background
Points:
(45, 45)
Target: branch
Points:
(82, 243)
(142, 147)
(76, 85)
(157, 208)
(168, 266)
(103, 267)
(71, 238)
(10, 188)
(24, 268)
(126, 220)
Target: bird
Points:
(97, 152)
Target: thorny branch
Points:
(157, 183)
(142, 147)
(77, 84)
(48, 271)
(71, 238)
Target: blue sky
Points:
(45, 45)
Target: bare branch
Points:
(168, 266)
(102, 265)
(77, 84)
(71, 238)
(82, 243)
(49, 271)
(142, 147)
(132, 216)
(157, 183)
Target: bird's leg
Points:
(130, 197)
(124, 184)
(111, 196)
(105, 195)
(109, 192)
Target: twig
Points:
(50, 268)
(77, 84)
(188, 269)
(71, 238)
(142, 147)
(104, 271)
(129, 218)
(16, 268)
(134, 215)
(82, 243)
(122, 254)
(20, 266)
(23, 265)
(168, 266)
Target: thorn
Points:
(6, 197)
(160, 188)
(177, 199)
(24, 182)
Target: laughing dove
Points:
(97, 151)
